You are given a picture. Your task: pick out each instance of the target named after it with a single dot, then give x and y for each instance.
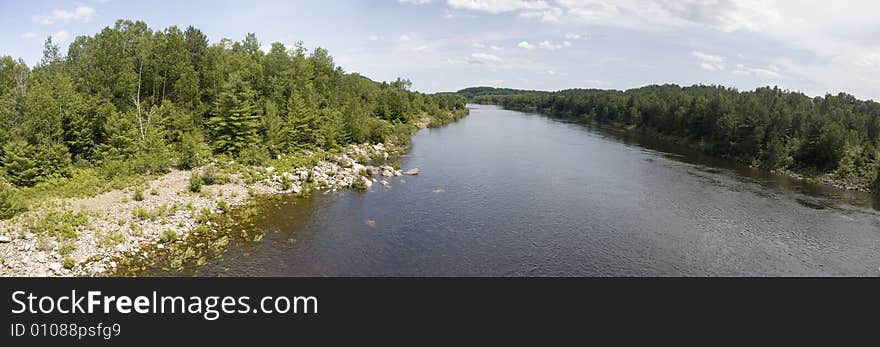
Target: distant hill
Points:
(485, 91)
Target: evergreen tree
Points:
(236, 122)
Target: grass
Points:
(84, 182)
(60, 224)
(204, 216)
(67, 248)
(138, 195)
(223, 206)
(195, 182)
(169, 236)
(68, 263)
(112, 238)
(144, 214)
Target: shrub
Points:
(169, 236)
(138, 195)
(27, 165)
(211, 176)
(191, 151)
(223, 206)
(59, 224)
(195, 182)
(68, 263)
(253, 155)
(10, 203)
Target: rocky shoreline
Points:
(105, 228)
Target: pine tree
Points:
(236, 121)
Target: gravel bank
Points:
(118, 223)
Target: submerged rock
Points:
(413, 171)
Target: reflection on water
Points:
(504, 193)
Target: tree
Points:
(236, 121)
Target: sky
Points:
(816, 47)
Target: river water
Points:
(505, 193)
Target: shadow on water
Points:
(816, 195)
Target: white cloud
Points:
(707, 57)
(482, 58)
(80, 13)
(711, 66)
(415, 2)
(484, 46)
(571, 36)
(405, 37)
(498, 6)
(709, 61)
(549, 15)
(29, 35)
(553, 46)
(543, 45)
(60, 36)
(870, 60)
(375, 38)
(526, 45)
(770, 72)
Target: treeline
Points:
(768, 127)
(131, 100)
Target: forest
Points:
(774, 129)
(132, 101)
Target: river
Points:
(504, 193)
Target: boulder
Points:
(5, 239)
(367, 182)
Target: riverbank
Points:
(87, 236)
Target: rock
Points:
(55, 267)
(385, 184)
(367, 182)
(5, 239)
(413, 171)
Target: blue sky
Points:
(812, 46)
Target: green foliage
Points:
(169, 236)
(61, 224)
(10, 203)
(69, 262)
(195, 182)
(211, 176)
(131, 101)
(192, 151)
(769, 127)
(138, 194)
(236, 122)
(26, 165)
